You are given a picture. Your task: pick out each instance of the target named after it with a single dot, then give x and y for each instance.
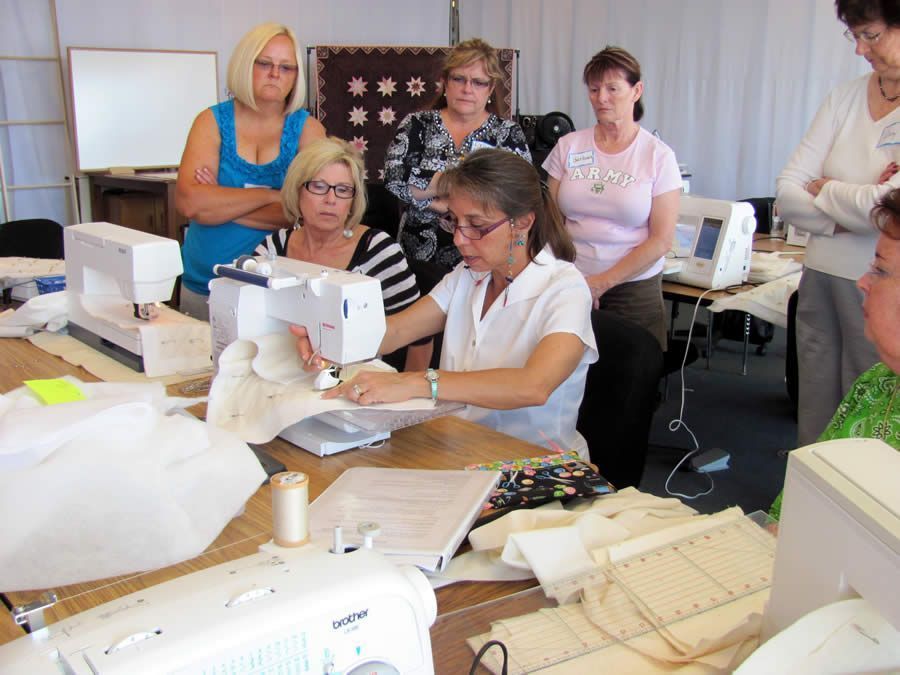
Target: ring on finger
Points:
(357, 390)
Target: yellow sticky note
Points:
(55, 391)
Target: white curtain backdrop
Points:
(731, 85)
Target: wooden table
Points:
(444, 443)
(683, 293)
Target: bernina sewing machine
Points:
(343, 312)
(290, 610)
(714, 238)
(116, 279)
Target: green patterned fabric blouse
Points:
(871, 409)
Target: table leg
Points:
(746, 342)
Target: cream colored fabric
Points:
(112, 484)
(100, 365)
(42, 312)
(261, 389)
(552, 543)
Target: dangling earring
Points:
(348, 232)
(510, 258)
(297, 224)
(490, 99)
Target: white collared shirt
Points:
(549, 296)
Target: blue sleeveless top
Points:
(207, 245)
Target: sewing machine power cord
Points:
(481, 652)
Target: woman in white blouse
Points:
(515, 316)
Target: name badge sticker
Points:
(481, 145)
(583, 158)
(889, 136)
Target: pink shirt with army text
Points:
(606, 198)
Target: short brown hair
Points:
(503, 181)
(858, 12)
(886, 214)
(615, 58)
(465, 54)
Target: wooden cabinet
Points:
(141, 202)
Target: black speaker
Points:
(542, 132)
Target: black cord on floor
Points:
(481, 652)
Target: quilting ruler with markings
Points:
(648, 591)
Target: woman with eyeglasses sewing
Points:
(462, 119)
(325, 196)
(847, 160)
(515, 316)
(236, 157)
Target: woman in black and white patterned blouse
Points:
(461, 120)
(324, 194)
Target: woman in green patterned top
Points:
(872, 407)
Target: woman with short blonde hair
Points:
(325, 197)
(241, 65)
(236, 158)
(316, 157)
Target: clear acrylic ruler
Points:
(648, 591)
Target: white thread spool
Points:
(290, 499)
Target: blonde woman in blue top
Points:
(236, 158)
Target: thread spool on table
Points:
(290, 503)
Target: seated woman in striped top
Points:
(324, 195)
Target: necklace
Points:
(889, 99)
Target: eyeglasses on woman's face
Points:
(461, 81)
(284, 69)
(864, 36)
(320, 187)
(448, 223)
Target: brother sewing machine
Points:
(343, 312)
(116, 280)
(282, 610)
(714, 238)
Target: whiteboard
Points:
(134, 108)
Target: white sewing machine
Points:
(343, 312)
(298, 610)
(839, 535)
(714, 238)
(839, 538)
(116, 279)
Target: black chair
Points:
(620, 398)
(427, 275)
(763, 209)
(34, 238)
